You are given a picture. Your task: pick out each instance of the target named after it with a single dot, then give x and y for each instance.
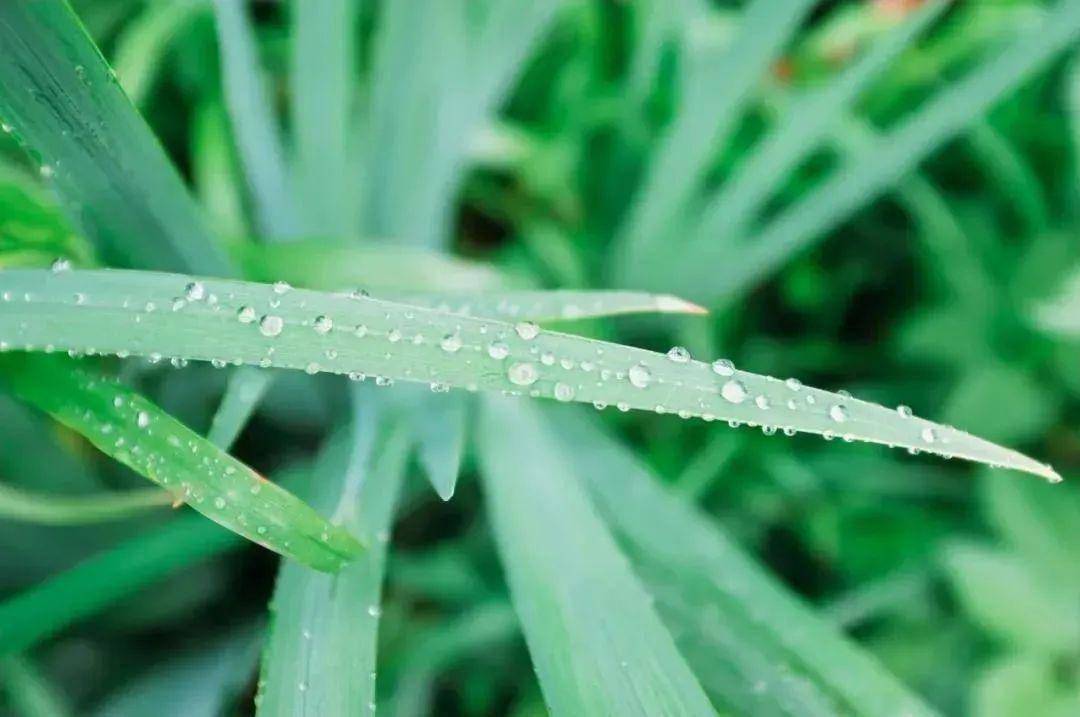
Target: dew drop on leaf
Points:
(523, 374)
(723, 367)
(271, 325)
(733, 391)
(678, 354)
(640, 376)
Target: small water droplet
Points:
(904, 411)
(323, 324)
(678, 354)
(762, 402)
(451, 343)
(281, 287)
(838, 412)
(498, 350)
(61, 265)
(723, 367)
(142, 420)
(393, 336)
(794, 384)
(523, 374)
(195, 291)
(929, 435)
(564, 392)
(219, 503)
(374, 610)
(527, 330)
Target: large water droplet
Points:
(451, 343)
(271, 325)
(523, 374)
(640, 376)
(733, 391)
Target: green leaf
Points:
(60, 509)
(1061, 315)
(720, 271)
(321, 656)
(596, 642)
(716, 83)
(142, 46)
(44, 610)
(62, 101)
(254, 126)
(1009, 599)
(756, 648)
(1024, 684)
(804, 126)
(171, 316)
(377, 267)
(29, 693)
(544, 306)
(245, 389)
(323, 80)
(32, 230)
(440, 423)
(130, 429)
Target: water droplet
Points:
(142, 420)
(60, 266)
(323, 324)
(904, 411)
(639, 375)
(733, 391)
(678, 354)
(794, 384)
(564, 392)
(547, 358)
(723, 367)
(271, 325)
(219, 503)
(451, 343)
(393, 336)
(245, 314)
(527, 330)
(47, 171)
(498, 350)
(374, 610)
(762, 402)
(929, 435)
(838, 413)
(195, 291)
(281, 287)
(523, 374)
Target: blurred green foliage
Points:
(964, 583)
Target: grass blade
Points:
(53, 509)
(45, 609)
(716, 85)
(245, 389)
(544, 306)
(33, 232)
(29, 693)
(62, 101)
(596, 643)
(142, 46)
(440, 424)
(722, 271)
(322, 265)
(130, 429)
(321, 656)
(1061, 315)
(143, 314)
(254, 125)
(323, 78)
(757, 649)
(804, 127)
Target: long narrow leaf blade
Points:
(321, 655)
(60, 509)
(127, 427)
(254, 125)
(757, 649)
(718, 272)
(717, 85)
(596, 643)
(545, 306)
(61, 100)
(171, 316)
(322, 77)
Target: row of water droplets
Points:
(191, 469)
(555, 365)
